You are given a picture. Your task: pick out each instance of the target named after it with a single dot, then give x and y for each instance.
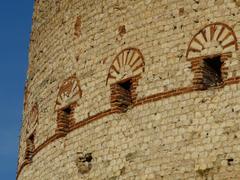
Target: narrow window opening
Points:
(65, 119)
(212, 74)
(124, 99)
(30, 148)
(126, 85)
(124, 95)
(67, 111)
(66, 116)
(230, 161)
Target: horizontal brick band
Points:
(26, 162)
(48, 141)
(159, 96)
(91, 119)
(148, 99)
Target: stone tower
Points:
(132, 89)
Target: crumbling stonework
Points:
(132, 89)
(83, 162)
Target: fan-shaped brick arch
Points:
(216, 38)
(26, 95)
(208, 52)
(129, 62)
(69, 92)
(31, 126)
(32, 120)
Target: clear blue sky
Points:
(15, 28)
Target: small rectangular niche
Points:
(67, 113)
(30, 147)
(212, 72)
(122, 95)
(65, 119)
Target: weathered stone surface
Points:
(172, 128)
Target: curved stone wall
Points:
(117, 90)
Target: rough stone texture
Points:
(174, 129)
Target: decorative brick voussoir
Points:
(26, 96)
(69, 92)
(77, 27)
(32, 119)
(128, 63)
(215, 38)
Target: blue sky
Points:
(15, 28)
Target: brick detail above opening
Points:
(32, 120)
(26, 96)
(69, 92)
(216, 38)
(77, 27)
(128, 63)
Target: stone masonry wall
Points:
(174, 128)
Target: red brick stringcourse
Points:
(25, 163)
(149, 99)
(91, 119)
(133, 58)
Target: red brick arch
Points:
(217, 35)
(129, 60)
(32, 120)
(69, 92)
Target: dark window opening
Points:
(230, 161)
(212, 74)
(67, 111)
(66, 114)
(126, 85)
(65, 119)
(123, 92)
(30, 148)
